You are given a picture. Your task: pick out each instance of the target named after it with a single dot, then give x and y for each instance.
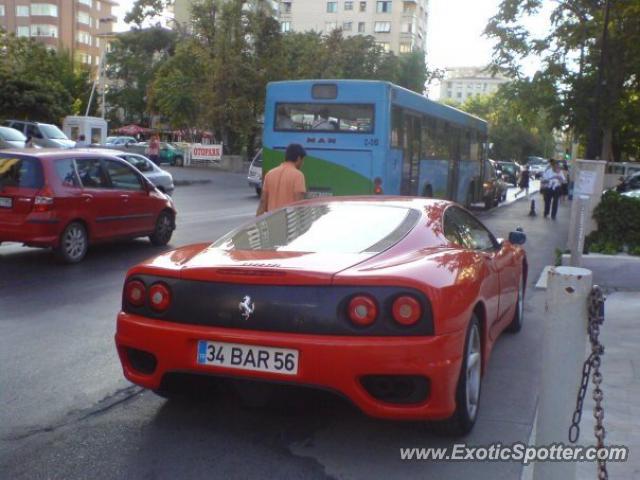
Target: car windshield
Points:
(52, 132)
(22, 172)
(12, 135)
(509, 167)
(354, 228)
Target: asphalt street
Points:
(68, 413)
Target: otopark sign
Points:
(207, 153)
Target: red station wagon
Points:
(66, 199)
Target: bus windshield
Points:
(327, 117)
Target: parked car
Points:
(42, 135)
(68, 200)
(255, 173)
(537, 166)
(394, 303)
(508, 171)
(120, 141)
(632, 194)
(169, 153)
(162, 179)
(12, 138)
(494, 188)
(628, 183)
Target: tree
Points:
(39, 84)
(575, 61)
(134, 59)
(516, 130)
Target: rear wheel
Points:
(163, 231)
(468, 389)
(518, 317)
(74, 243)
(259, 191)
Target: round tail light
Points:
(362, 310)
(159, 297)
(134, 293)
(406, 310)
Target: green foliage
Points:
(39, 84)
(570, 55)
(618, 219)
(133, 61)
(517, 126)
(216, 79)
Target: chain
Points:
(592, 365)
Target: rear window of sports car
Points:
(325, 228)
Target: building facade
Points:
(79, 26)
(461, 83)
(397, 25)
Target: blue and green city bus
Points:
(364, 137)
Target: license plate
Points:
(248, 357)
(6, 202)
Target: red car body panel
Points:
(456, 281)
(107, 213)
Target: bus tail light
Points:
(377, 186)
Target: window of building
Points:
(98, 6)
(286, 7)
(84, 37)
(1, 10)
(347, 26)
(382, 27)
(363, 6)
(84, 18)
(88, 3)
(332, 7)
(405, 47)
(449, 93)
(348, 5)
(383, 6)
(407, 27)
(459, 94)
(22, 11)
(44, 9)
(22, 31)
(44, 31)
(285, 26)
(361, 27)
(408, 7)
(330, 26)
(384, 45)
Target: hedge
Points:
(618, 219)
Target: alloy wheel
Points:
(474, 356)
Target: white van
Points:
(42, 135)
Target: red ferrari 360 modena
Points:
(394, 302)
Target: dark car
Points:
(494, 189)
(628, 183)
(508, 171)
(66, 200)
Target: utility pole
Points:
(595, 130)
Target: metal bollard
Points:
(563, 352)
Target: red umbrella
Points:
(132, 130)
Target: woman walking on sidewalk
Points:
(523, 181)
(552, 181)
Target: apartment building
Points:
(460, 83)
(397, 25)
(79, 26)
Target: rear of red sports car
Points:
(317, 295)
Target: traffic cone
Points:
(532, 212)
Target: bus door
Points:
(453, 136)
(411, 154)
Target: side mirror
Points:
(517, 238)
